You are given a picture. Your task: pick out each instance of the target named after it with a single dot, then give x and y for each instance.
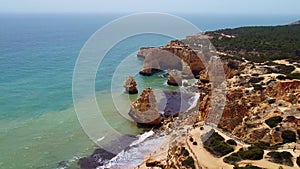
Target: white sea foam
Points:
(136, 153)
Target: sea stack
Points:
(144, 111)
(174, 78)
(130, 85)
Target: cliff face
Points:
(252, 97)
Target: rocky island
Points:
(259, 126)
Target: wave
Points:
(136, 152)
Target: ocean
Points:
(39, 128)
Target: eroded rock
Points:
(174, 78)
(144, 110)
(130, 85)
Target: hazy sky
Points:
(172, 6)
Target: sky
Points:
(170, 6)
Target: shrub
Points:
(271, 101)
(288, 136)
(232, 159)
(257, 86)
(216, 145)
(184, 152)
(255, 74)
(281, 77)
(256, 79)
(231, 142)
(293, 76)
(247, 167)
(273, 121)
(284, 158)
(253, 153)
(262, 145)
(189, 162)
(290, 118)
(284, 69)
(265, 146)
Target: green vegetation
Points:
(288, 136)
(189, 162)
(247, 167)
(257, 86)
(283, 69)
(256, 79)
(265, 146)
(253, 153)
(260, 44)
(293, 76)
(284, 158)
(271, 101)
(216, 145)
(231, 142)
(273, 121)
(184, 152)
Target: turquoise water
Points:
(38, 125)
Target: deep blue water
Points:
(37, 57)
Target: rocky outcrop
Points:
(174, 78)
(231, 68)
(144, 110)
(283, 87)
(130, 85)
(203, 76)
(98, 158)
(170, 56)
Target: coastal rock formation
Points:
(186, 71)
(203, 76)
(130, 85)
(174, 78)
(98, 158)
(170, 56)
(144, 110)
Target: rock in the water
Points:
(98, 158)
(144, 110)
(174, 78)
(130, 85)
